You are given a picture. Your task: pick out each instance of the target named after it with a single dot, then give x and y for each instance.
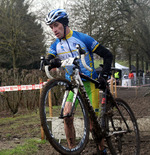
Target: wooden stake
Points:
(42, 131)
(50, 110)
(111, 85)
(115, 89)
(50, 105)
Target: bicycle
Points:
(116, 123)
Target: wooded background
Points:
(123, 26)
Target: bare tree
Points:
(21, 42)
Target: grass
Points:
(14, 123)
(19, 128)
(29, 147)
(124, 63)
(98, 62)
(24, 127)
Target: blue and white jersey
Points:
(66, 48)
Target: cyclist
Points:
(65, 47)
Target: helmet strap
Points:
(64, 31)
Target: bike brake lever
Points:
(80, 50)
(42, 63)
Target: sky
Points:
(41, 8)
(38, 4)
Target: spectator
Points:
(131, 75)
(116, 75)
(147, 73)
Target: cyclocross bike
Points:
(116, 123)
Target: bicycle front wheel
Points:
(123, 134)
(50, 109)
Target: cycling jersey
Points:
(65, 48)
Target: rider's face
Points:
(58, 29)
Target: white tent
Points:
(124, 69)
(120, 66)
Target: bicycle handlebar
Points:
(82, 54)
(67, 62)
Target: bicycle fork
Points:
(75, 91)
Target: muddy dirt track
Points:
(138, 99)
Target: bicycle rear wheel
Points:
(123, 134)
(53, 125)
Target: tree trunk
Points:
(146, 65)
(137, 64)
(129, 60)
(142, 64)
(14, 59)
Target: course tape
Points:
(22, 87)
(146, 85)
(39, 86)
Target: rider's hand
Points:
(55, 63)
(46, 62)
(102, 83)
(102, 78)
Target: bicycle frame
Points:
(78, 84)
(77, 81)
(104, 126)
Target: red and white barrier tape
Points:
(22, 87)
(39, 86)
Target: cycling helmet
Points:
(59, 15)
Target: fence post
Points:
(50, 105)
(50, 110)
(42, 131)
(111, 85)
(115, 89)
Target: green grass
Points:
(15, 122)
(98, 62)
(29, 147)
(17, 117)
(124, 63)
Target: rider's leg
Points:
(101, 144)
(68, 126)
(93, 95)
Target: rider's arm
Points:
(52, 52)
(50, 57)
(107, 56)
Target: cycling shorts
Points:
(92, 93)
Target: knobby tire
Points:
(53, 126)
(125, 143)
